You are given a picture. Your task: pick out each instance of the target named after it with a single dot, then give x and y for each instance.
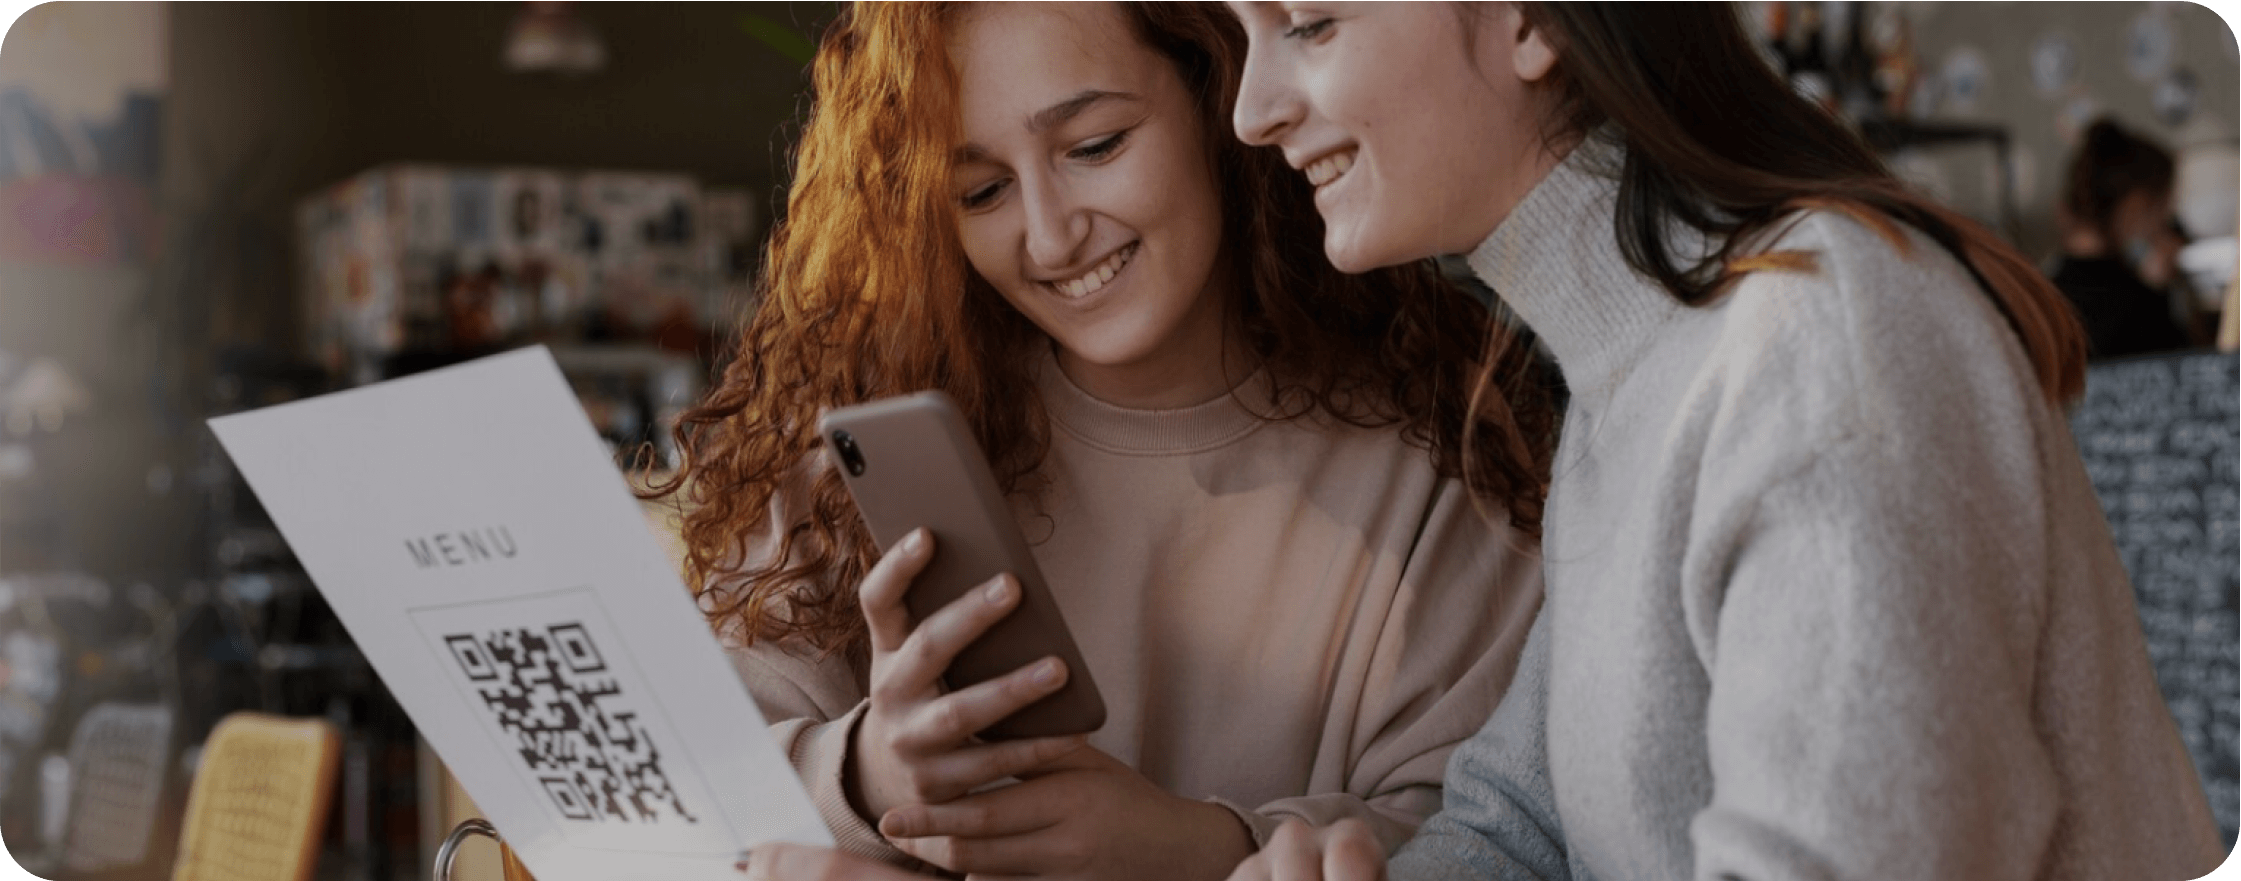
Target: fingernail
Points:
(1046, 672)
(915, 540)
(999, 590)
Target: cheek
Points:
(1192, 220)
(990, 246)
(1348, 103)
(1380, 94)
(983, 241)
(1200, 211)
(1170, 193)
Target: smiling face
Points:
(1085, 196)
(1418, 138)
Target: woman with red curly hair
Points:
(1288, 512)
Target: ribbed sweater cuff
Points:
(1262, 826)
(821, 753)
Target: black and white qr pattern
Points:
(577, 732)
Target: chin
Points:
(1096, 351)
(1350, 255)
(1356, 248)
(1338, 247)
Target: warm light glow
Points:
(548, 36)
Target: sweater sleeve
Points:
(811, 705)
(1866, 583)
(812, 710)
(1444, 655)
(1499, 819)
(1871, 667)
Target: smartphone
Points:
(911, 462)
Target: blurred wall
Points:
(81, 95)
(1994, 46)
(273, 100)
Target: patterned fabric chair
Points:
(118, 756)
(260, 800)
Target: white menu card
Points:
(478, 541)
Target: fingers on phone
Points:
(971, 710)
(974, 767)
(881, 594)
(944, 776)
(942, 723)
(929, 650)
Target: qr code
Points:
(578, 733)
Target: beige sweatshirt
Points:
(1294, 619)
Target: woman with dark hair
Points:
(1296, 555)
(1828, 592)
(2119, 244)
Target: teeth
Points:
(1094, 280)
(1328, 168)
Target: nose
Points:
(1266, 110)
(1056, 227)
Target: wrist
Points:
(855, 779)
(1225, 839)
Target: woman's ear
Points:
(1533, 55)
(1503, 36)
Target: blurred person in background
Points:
(2120, 243)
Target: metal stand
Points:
(459, 835)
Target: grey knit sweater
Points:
(1828, 593)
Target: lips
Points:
(1096, 277)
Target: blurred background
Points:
(212, 207)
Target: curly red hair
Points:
(866, 293)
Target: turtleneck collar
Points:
(1556, 260)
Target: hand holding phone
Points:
(965, 608)
(916, 744)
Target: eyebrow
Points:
(1062, 111)
(1057, 114)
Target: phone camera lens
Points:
(851, 457)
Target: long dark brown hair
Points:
(867, 294)
(1715, 139)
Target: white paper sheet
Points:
(483, 550)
